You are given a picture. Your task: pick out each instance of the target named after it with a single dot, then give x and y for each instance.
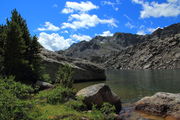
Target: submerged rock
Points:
(162, 104)
(99, 93)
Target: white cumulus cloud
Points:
(106, 33)
(78, 38)
(71, 7)
(141, 32)
(48, 27)
(171, 8)
(84, 20)
(54, 41)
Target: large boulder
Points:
(44, 85)
(162, 104)
(83, 69)
(99, 93)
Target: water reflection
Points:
(132, 85)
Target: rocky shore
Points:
(161, 106)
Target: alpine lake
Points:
(132, 85)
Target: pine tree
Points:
(34, 57)
(2, 43)
(2, 38)
(24, 29)
(14, 49)
(21, 51)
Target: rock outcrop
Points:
(162, 104)
(159, 50)
(99, 93)
(83, 70)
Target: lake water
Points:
(132, 85)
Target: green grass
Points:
(64, 113)
(61, 111)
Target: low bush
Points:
(18, 89)
(76, 105)
(25, 110)
(64, 76)
(60, 95)
(7, 102)
(46, 77)
(107, 108)
(12, 108)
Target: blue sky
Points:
(60, 23)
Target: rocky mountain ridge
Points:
(159, 50)
(100, 47)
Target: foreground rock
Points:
(162, 104)
(99, 93)
(83, 69)
(44, 85)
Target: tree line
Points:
(19, 51)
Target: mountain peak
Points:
(126, 50)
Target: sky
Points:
(60, 23)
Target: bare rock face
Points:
(159, 50)
(99, 93)
(99, 48)
(155, 53)
(162, 104)
(83, 69)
